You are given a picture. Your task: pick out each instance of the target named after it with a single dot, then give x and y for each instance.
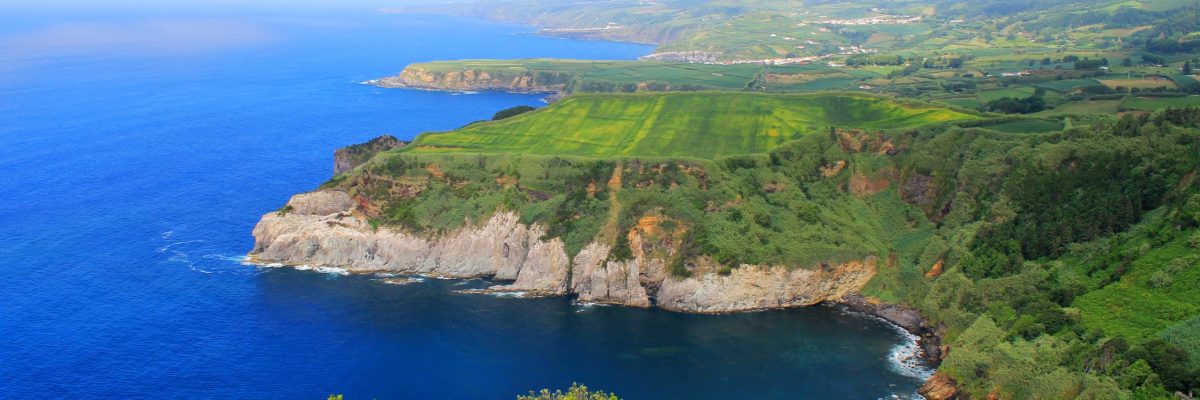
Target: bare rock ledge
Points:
(323, 229)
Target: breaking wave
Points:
(201, 256)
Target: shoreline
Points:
(921, 338)
(550, 96)
(929, 338)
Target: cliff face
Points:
(753, 287)
(599, 280)
(322, 228)
(475, 80)
(694, 56)
(349, 157)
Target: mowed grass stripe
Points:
(692, 124)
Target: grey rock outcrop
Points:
(754, 287)
(322, 229)
(598, 280)
(350, 157)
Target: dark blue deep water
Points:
(137, 150)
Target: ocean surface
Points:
(138, 149)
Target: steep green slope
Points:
(1056, 264)
(700, 124)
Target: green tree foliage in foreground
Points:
(576, 392)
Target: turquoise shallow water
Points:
(139, 149)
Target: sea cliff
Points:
(471, 79)
(324, 228)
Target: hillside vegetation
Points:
(1056, 249)
(699, 125)
(1058, 264)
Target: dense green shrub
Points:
(576, 392)
(511, 112)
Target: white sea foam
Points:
(401, 281)
(906, 357)
(168, 247)
(240, 259)
(333, 270)
(506, 294)
(585, 306)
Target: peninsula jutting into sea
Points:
(1014, 183)
(769, 199)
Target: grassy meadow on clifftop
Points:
(693, 124)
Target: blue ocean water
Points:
(137, 150)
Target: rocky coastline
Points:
(554, 85)
(331, 228)
(324, 228)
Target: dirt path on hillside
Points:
(610, 231)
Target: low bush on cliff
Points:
(576, 392)
(511, 112)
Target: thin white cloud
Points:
(158, 36)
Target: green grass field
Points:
(723, 77)
(1014, 92)
(1140, 83)
(672, 124)
(1027, 125)
(1156, 103)
(1088, 107)
(964, 102)
(1068, 85)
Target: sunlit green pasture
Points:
(692, 124)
